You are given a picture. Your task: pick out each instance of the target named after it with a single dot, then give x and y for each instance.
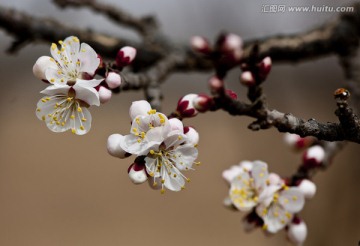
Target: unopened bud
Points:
(314, 156)
(186, 107)
(40, 66)
(176, 125)
(202, 103)
(104, 94)
(231, 94)
(216, 85)
(296, 142)
(141, 107)
(113, 80)
(192, 135)
(264, 68)
(247, 78)
(137, 173)
(113, 146)
(200, 44)
(125, 56)
(308, 188)
(297, 232)
(231, 44)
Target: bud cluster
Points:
(255, 74)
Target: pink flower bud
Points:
(296, 142)
(264, 68)
(297, 232)
(186, 107)
(41, 64)
(137, 173)
(141, 107)
(113, 146)
(247, 78)
(231, 94)
(231, 44)
(200, 44)
(216, 85)
(113, 80)
(176, 125)
(202, 103)
(314, 156)
(192, 135)
(308, 188)
(125, 56)
(104, 94)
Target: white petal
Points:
(315, 152)
(292, 199)
(56, 90)
(85, 91)
(176, 125)
(80, 125)
(174, 139)
(231, 173)
(88, 59)
(174, 181)
(246, 165)
(275, 217)
(192, 136)
(132, 146)
(41, 64)
(113, 146)
(141, 107)
(241, 193)
(56, 76)
(267, 194)
(184, 156)
(150, 164)
(72, 47)
(260, 174)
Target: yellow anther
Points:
(282, 221)
(152, 111)
(73, 130)
(59, 52)
(183, 187)
(72, 117)
(60, 42)
(57, 123)
(142, 135)
(152, 152)
(48, 99)
(286, 201)
(276, 214)
(294, 198)
(162, 121)
(83, 50)
(163, 181)
(139, 140)
(288, 215)
(38, 110)
(151, 174)
(255, 199)
(175, 175)
(264, 227)
(197, 163)
(162, 191)
(267, 182)
(63, 123)
(62, 80)
(196, 145)
(78, 63)
(264, 212)
(285, 187)
(79, 109)
(187, 179)
(69, 99)
(261, 175)
(135, 129)
(43, 100)
(53, 46)
(52, 59)
(82, 128)
(59, 72)
(83, 119)
(180, 137)
(43, 117)
(137, 120)
(62, 49)
(154, 184)
(75, 39)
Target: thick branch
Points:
(143, 25)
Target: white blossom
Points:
(72, 89)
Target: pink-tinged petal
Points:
(104, 94)
(192, 136)
(55, 76)
(85, 91)
(41, 65)
(308, 188)
(141, 107)
(292, 199)
(89, 60)
(297, 233)
(113, 80)
(56, 90)
(176, 124)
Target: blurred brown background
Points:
(65, 190)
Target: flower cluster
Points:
(73, 88)
(164, 148)
(271, 203)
